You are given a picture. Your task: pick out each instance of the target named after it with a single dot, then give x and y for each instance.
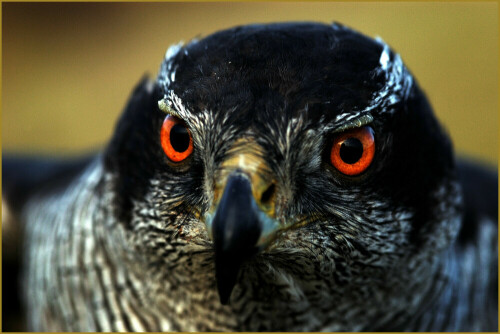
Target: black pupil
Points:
(351, 150)
(179, 137)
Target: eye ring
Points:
(176, 139)
(353, 151)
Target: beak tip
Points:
(236, 229)
(224, 298)
(226, 280)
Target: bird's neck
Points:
(463, 294)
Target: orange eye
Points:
(176, 139)
(353, 151)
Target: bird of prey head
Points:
(274, 177)
(284, 169)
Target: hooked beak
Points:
(241, 224)
(235, 230)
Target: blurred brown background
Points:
(68, 69)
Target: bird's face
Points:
(300, 150)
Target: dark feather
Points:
(24, 176)
(480, 188)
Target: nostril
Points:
(268, 194)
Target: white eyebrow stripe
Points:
(172, 104)
(384, 56)
(398, 83)
(356, 120)
(356, 123)
(167, 71)
(397, 86)
(347, 116)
